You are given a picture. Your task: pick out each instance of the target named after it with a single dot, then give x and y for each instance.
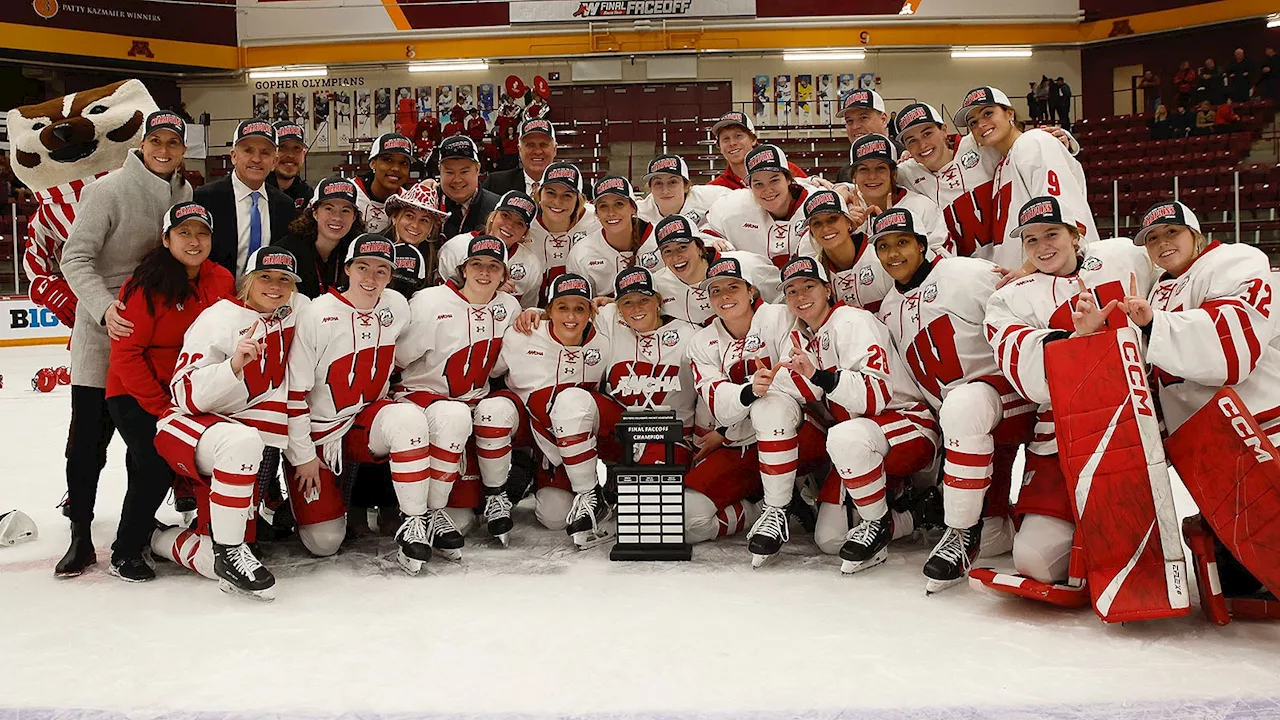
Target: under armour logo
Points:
(246, 468)
(415, 441)
(486, 418)
(778, 432)
(455, 446)
(366, 336)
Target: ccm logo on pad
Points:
(1136, 375)
(1242, 428)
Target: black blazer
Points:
(219, 198)
(502, 182)
(317, 275)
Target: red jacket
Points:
(733, 182)
(143, 363)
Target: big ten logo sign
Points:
(31, 317)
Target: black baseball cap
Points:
(666, 165)
(185, 211)
(372, 245)
(570, 285)
(538, 125)
(487, 246)
(976, 98)
(802, 267)
(821, 202)
(286, 130)
(410, 266)
(1043, 210)
(723, 269)
(255, 128)
(614, 185)
(633, 280)
(895, 220)
(917, 114)
(166, 120)
(860, 98)
(334, 188)
(519, 204)
(1165, 213)
(269, 257)
(459, 147)
(733, 118)
(564, 173)
(873, 147)
(674, 229)
(391, 143)
(767, 158)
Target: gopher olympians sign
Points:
(589, 10)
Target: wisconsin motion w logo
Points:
(632, 8)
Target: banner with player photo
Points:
(363, 114)
(262, 106)
(320, 120)
(343, 125)
(848, 83)
(383, 121)
(804, 100)
(760, 100)
(782, 99)
(824, 100)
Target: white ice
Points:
(540, 630)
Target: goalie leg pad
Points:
(1055, 594)
(1110, 450)
(1232, 471)
(1200, 539)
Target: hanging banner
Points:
(587, 10)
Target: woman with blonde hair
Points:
(509, 222)
(564, 219)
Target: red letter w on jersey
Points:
(360, 376)
(933, 357)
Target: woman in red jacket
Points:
(176, 280)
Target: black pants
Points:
(87, 440)
(149, 476)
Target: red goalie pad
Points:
(1065, 595)
(1110, 450)
(1218, 608)
(1233, 473)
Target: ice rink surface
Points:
(540, 630)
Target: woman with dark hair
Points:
(168, 290)
(622, 241)
(685, 258)
(318, 237)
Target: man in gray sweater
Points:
(119, 221)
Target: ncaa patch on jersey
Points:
(499, 312)
(1091, 264)
(866, 276)
(670, 338)
(930, 293)
(518, 272)
(970, 159)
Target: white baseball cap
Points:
(16, 527)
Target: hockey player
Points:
(510, 223)
(737, 365)
(416, 219)
(339, 366)
(1032, 164)
(877, 189)
(735, 136)
(410, 274)
(1021, 318)
(686, 258)
(672, 192)
(564, 219)
(768, 219)
(623, 239)
(882, 425)
(447, 353)
(935, 314)
(389, 159)
(857, 277)
(230, 394)
(556, 372)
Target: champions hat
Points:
(374, 246)
(633, 280)
(410, 265)
(822, 202)
(1165, 213)
(391, 143)
(519, 204)
(916, 114)
(869, 99)
(976, 98)
(614, 185)
(1043, 210)
(767, 158)
(873, 147)
(731, 119)
(334, 188)
(674, 229)
(255, 128)
(487, 246)
(17, 527)
(269, 257)
(723, 269)
(185, 211)
(802, 268)
(459, 147)
(570, 285)
(666, 165)
(895, 220)
(423, 196)
(563, 173)
(286, 130)
(166, 120)
(538, 125)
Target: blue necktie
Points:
(255, 223)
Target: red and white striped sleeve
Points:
(863, 387)
(1018, 343)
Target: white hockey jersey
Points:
(1036, 165)
(1212, 327)
(738, 218)
(1022, 314)
(552, 249)
(451, 345)
(693, 305)
(927, 218)
(340, 361)
(963, 190)
(204, 382)
(696, 205)
(596, 260)
(866, 283)
(650, 369)
(373, 213)
(539, 366)
(523, 263)
(723, 366)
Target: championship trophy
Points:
(650, 506)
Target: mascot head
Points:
(79, 135)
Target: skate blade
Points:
(587, 539)
(933, 587)
(851, 567)
(504, 539)
(188, 517)
(759, 561)
(408, 564)
(454, 556)
(268, 595)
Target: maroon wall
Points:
(1163, 53)
(1107, 9)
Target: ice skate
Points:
(866, 545)
(186, 506)
(497, 513)
(586, 517)
(767, 535)
(415, 549)
(924, 505)
(951, 558)
(443, 535)
(802, 512)
(240, 573)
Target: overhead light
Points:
(1273, 21)
(282, 73)
(804, 55)
(449, 66)
(991, 52)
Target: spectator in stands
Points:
(1042, 99)
(1180, 122)
(1033, 107)
(1184, 81)
(1060, 104)
(1149, 84)
(1266, 87)
(1209, 84)
(1159, 124)
(1240, 77)
(1204, 119)
(893, 126)
(476, 126)
(510, 150)
(1226, 120)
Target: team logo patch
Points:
(521, 204)
(724, 267)
(866, 276)
(797, 266)
(283, 312)
(970, 159)
(572, 284)
(563, 173)
(518, 272)
(385, 317)
(278, 258)
(189, 210)
(799, 226)
(649, 261)
(339, 186)
(166, 119)
(666, 164)
(613, 184)
(910, 117)
(591, 356)
(1091, 264)
(257, 127)
(398, 144)
(930, 293)
(670, 338)
(499, 312)
(979, 96)
(818, 200)
(768, 157)
(577, 237)
(752, 343)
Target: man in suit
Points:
(291, 159)
(467, 203)
(248, 213)
(537, 151)
(864, 114)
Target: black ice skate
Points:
(240, 573)
(415, 548)
(767, 535)
(951, 558)
(925, 506)
(866, 545)
(497, 513)
(443, 535)
(586, 517)
(802, 512)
